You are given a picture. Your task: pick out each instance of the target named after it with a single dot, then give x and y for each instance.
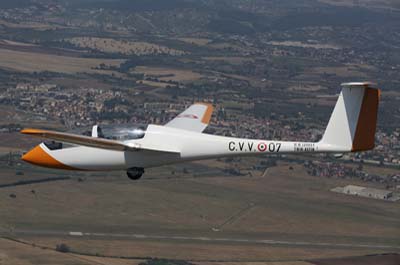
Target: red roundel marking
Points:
(262, 147)
(190, 116)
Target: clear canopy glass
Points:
(116, 132)
(122, 133)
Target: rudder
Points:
(364, 138)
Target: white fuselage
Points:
(178, 146)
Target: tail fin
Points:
(352, 124)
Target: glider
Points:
(351, 128)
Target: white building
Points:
(366, 192)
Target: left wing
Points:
(78, 139)
(195, 118)
(94, 141)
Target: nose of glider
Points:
(38, 156)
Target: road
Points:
(206, 239)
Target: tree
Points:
(62, 248)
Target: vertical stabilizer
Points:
(352, 124)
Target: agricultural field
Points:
(122, 46)
(218, 217)
(196, 41)
(13, 252)
(39, 62)
(304, 45)
(168, 74)
(367, 3)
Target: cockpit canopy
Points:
(116, 132)
(112, 132)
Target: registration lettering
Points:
(304, 147)
(247, 146)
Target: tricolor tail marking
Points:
(364, 138)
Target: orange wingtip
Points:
(32, 131)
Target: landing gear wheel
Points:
(135, 173)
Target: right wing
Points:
(195, 118)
